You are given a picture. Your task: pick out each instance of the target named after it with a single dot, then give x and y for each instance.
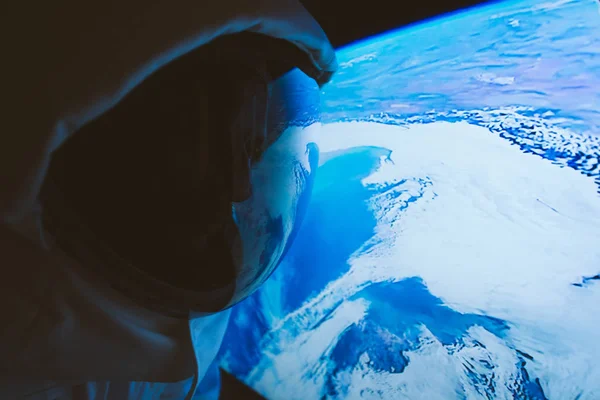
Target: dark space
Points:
(346, 22)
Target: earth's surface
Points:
(451, 248)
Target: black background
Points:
(346, 22)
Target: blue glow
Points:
(450, 248)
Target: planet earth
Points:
(451, 245)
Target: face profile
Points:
(281, 180)
(189, 191)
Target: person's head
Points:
(172, 193)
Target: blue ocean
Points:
(450, 247)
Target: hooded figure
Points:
(151, 174)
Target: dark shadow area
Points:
(234, 389)
(346, 22)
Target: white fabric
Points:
(71, 64)
(66, 319)
(208, 389)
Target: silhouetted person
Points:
(132, 132)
